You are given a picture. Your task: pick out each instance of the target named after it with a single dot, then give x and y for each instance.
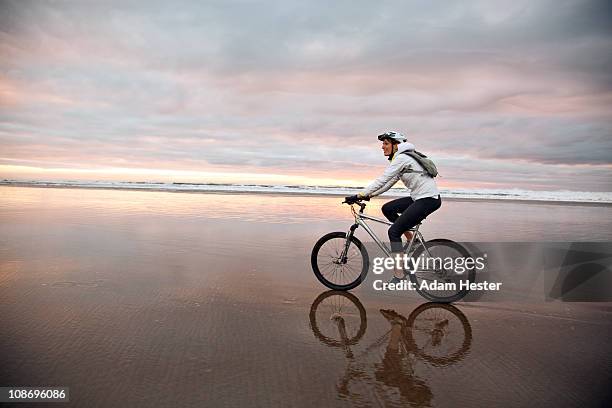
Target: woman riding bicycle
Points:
(404, 212)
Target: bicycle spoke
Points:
(328, 259)
(340, 263)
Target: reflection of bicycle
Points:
(437, 333)
(334, 311)
(338, 319)
(341, 262)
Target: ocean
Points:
(473, 194)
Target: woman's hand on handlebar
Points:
(355, 199)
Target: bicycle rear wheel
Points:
(441, 271)
(334, 272)
(440, 333)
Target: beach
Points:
(152, 298)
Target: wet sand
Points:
(165, 299)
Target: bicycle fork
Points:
(349, 235)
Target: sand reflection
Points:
(386, 369)
(274, 208)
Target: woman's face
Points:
(387, 147)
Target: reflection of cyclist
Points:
(404, 212)
(391, 370)
(436, 333)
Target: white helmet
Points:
(394, 137)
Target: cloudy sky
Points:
(501, 94)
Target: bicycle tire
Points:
(467, 334)
(470, 274)
(325, 278)
(363, 320)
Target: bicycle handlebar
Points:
(361, 204)
(357, 201)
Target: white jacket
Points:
(421, 185)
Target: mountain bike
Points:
(340, 261)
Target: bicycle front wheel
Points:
(334, 272)
(338, 318)
(441, 274)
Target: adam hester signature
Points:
(436, 285)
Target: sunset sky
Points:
(501, 94)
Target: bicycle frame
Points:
(360, 220)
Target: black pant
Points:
(412, 212)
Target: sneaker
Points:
(395, 279)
